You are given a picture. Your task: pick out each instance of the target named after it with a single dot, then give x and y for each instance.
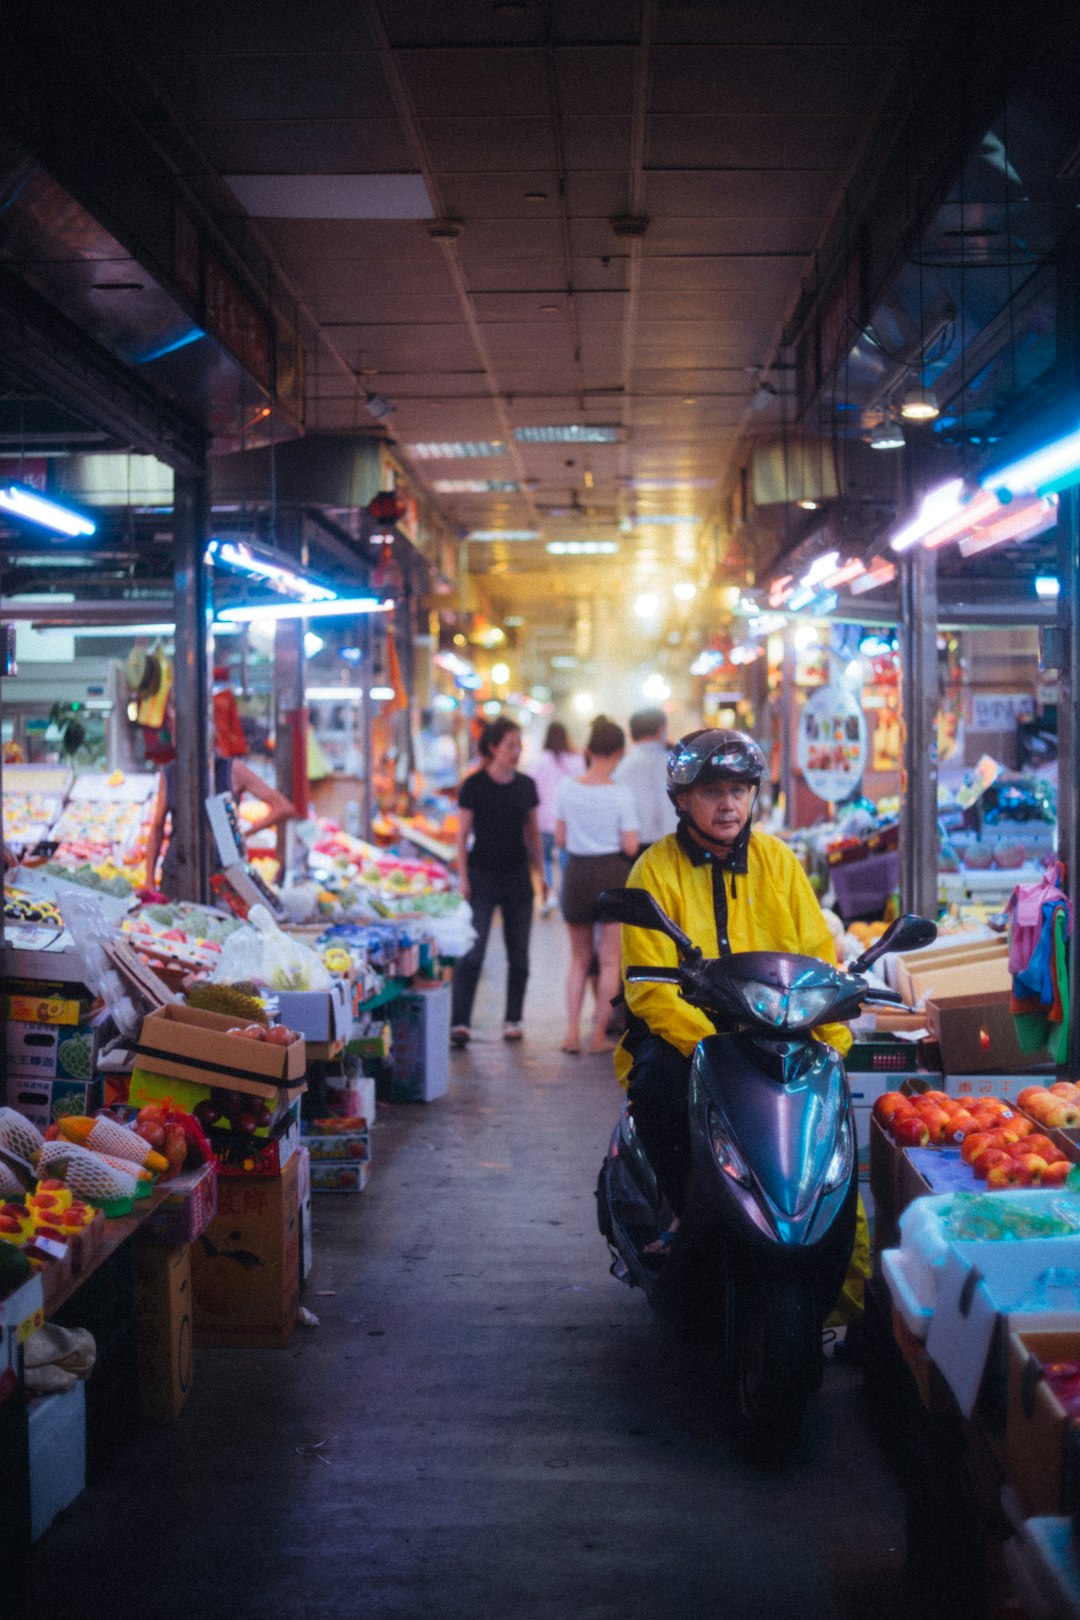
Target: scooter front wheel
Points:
(774, 1343)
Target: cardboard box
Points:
(894, 1184)
(203, 1047)
(28, 1001)
(331, 1149)
(56, 1432)
(245, 1270)
(188, 1207)
(34, 952)
(986, 974)
(915, 968)
(975, 1032)
(318, 1015)
(49, 1051)
(340, 1176)
(163, 1336)
(43, 1102)
(1035, 1420)
(420, 1053)
(258, 1156)
(146, 1088)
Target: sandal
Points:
(512, 1032)
(571, 1048)
(660, 1246)
(459, 1036)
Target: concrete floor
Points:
(484, 1423)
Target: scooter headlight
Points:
(807, 1006)
(765, 1001)
(839, 1166)
(725, 1152)
(771, 1005)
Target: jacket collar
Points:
(699, 856)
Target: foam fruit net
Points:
(18, 1135)
(109, 1137)
(87, 1174)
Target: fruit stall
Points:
(181, 1082)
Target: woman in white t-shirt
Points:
(596, 823)
(552, 765)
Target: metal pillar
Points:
(367, 796)
(1068, 620)
(192, 609)
(788, 722)
(290, 719)
(917, 579)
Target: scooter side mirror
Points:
(635, 908)
(907, 933)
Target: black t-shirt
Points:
(500, 811)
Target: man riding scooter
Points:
(730, 889)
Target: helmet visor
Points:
(714, 755)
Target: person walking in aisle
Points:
(596, 823)
(497, 808)
(644, 772)
(555, 761)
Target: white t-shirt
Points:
(595, 817)
(547, 771)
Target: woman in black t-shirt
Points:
(497, 807)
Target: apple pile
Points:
(1057, 1105)
(1003, 1148)
(276, 1035)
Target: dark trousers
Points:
(659, 1088)
(512, 894)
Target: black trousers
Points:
(511, 893)
(659, 1088)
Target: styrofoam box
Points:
(1008, 1086)
(57, 1444)
(915, 1312)
(914, 1271)
(981, 1282)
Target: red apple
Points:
(991, 1159)
(1056, 1173)
(909, 1130)
(890, 1103)
(1012, 1174)
(977, 1143)
(1037, 1143)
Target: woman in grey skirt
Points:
(596, 823)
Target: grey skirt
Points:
(585, 879)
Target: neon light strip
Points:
(339, 609)
(26, 503)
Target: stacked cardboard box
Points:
(245, 1267)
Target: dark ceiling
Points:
(639, 216)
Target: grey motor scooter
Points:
(766, 1236)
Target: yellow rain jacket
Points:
(770, 907)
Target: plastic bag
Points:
(262, 954)
(1025, 914)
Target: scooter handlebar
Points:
(884, 998)
(654, 975)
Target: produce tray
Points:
(883, 1054)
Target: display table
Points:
(117, 1231)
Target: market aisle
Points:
(484, 1424)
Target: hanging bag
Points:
(1025, 913)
